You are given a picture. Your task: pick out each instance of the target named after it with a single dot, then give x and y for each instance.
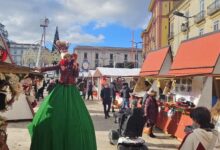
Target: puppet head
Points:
(63, 48)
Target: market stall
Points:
(18, 90)
(104, 75)
(196, 68)
(15, 103)
(156, 67)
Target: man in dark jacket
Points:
(106, 99)
(90, 87)
(113, 94)
(125, 94)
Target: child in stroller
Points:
(129, 132)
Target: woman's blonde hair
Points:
(215, 111)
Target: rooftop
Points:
(105, 48)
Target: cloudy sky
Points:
(81, 22)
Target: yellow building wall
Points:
(159, 22)
(167, 7)
(192, 6)
(165, 31)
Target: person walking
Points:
(151, 111)
(41, 89)
(147, 88)
(125, 94)
(203, 137)
(113, 94)
(51, 86)
(82, 88)
(90, 87)
(106, 99)
(62, 122)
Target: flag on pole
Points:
(56, 37)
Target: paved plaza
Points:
(19, 139)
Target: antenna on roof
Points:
(132, 45)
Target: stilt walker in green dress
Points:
(63, 121)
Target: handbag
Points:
(146, 130)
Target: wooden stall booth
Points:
(156, 66)
(196, 68)
(22, 108)
(14, 102)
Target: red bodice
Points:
(68, 74)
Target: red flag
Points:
(3, 54)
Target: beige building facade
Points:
(29, 58)
(90, 57)
(200, 17)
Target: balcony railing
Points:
(184, 27)
(199, 17)
(213, 8)
(171, 35)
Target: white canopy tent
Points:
(116, 72)
(83, 74)
(91, 73)
(86, 74)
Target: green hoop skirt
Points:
(62, 122)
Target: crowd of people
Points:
(206, 123)
(206, 126)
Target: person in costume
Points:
(62, 121)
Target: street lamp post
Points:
(177, 13)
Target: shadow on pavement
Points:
(96, 111)
(102, 124)
(167, 146)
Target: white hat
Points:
(63, 54)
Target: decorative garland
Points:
(175, 108)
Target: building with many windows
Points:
(193, 18)
(26, 54)
(17, 50)
(156, 35)
(90, 57)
